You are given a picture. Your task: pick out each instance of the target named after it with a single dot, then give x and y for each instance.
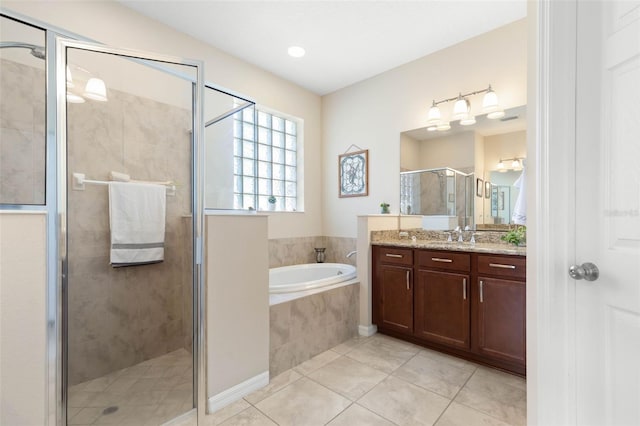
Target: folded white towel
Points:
(519, 216)
(137, 222)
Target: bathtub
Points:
(289, 279)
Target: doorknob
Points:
(588, 271)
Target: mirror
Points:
(488, 157)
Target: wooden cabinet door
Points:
(395, 298)
(441, 302)
(500, 327)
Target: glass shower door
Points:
(131, 330)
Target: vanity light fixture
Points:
(462, 110)
(515, 163)
(94, 89)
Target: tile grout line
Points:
(455, 396)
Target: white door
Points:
(608, 212)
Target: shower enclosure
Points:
(438, 192)
(122, 343)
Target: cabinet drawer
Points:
(449, 261)
(503, 266)
(395, 255)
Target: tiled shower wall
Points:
(295, 251)
(119, 317)
(22, 133)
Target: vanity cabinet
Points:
(500, 323)
(468, 304)
(441, 298)
(393, 294)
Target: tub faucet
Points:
(351, 253)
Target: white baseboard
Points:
(367, 330)
(237, 392)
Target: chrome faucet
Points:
(351, 253)
(460, 237)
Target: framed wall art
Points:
(353, 174)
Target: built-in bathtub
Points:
(313, 308)
(292, 282)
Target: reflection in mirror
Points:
(487, 151)
(444, 197)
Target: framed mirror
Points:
(492, 152)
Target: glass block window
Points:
(265, 161)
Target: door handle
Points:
(464, 289)
(399, 256)
(408, 288)
(481, 295)
(587, 271)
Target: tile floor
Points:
(381, 381)
(149, 393)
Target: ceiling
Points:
(346, 41)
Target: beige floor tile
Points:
(358, 416)
(435, 375)
(316, 362)
(350, 344)
(493, 393)
(122, 385)
(460, 415)
(383, 353)
(404, 403)
(275, 384)
(249, 417)
(72, 411)
(506, 378)
(348, 377)
(304, 402)
(227, 412)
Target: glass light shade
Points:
(443, 127)
(432, 128)
(515, 165)
(500, 166)
(96, 90)
(495, 114)
(74, 99)
(461, 108)
(468, 120)
(490, 101)
(434, 115)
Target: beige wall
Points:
(372, 113)
(123, 27)
(237, 301)
(22, 301)
(507, 145)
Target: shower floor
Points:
(149, 393)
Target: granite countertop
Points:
(486, 241)
(492, 248)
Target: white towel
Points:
(519, 216)
(137, 222)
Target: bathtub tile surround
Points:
(334, 389)
(296, 251)
(121, 317)
(303, 328)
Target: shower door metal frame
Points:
(57, 76)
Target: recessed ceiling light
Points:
(296, 51)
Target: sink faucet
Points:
(351, 253)
(460, 239)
